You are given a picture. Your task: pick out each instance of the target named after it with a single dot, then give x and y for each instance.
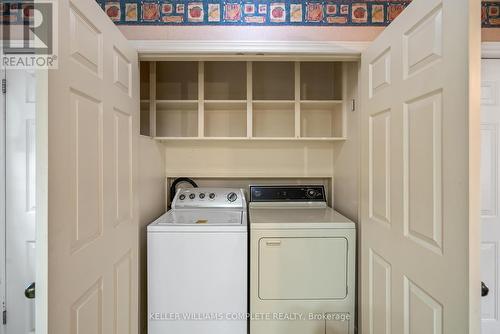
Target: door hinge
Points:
(353, 106)
(4, 317)
(4, 86)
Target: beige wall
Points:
(347, 155)
(249, 158)
(218, 33)
(490, 34)
(286, 33)
(241, 163)
(151, 205)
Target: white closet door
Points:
(420, 172)
(490, 219)
(20, 200)
(93, 107)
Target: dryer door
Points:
(308, 268)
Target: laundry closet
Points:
(241, 121)
(256, 117)
(389, 128)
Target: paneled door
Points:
(93, 128)
(490, 199)
(20, 141)
(420, 172)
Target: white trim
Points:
(162, 48)
(3, 222)
(42, 197)
(490, 50)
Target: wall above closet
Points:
(244, 100)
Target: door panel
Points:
(419, 247)
(93, 219)
(20, 199)
(490, 221)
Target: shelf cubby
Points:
(273, 119)
(273, 80)
(320, 81)
(225, 80)
(177, 119)
(144, 78)
(224, 119)
(177, 80)
(321, 119)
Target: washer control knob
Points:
(201, 195)
(232, 196)
(182, 197)
(211, 195)
(192, 196)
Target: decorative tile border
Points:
(490, 14)
(254, 12)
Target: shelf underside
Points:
(333, 139)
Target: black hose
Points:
(177, 181)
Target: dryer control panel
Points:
(296, 193)
(193, 198)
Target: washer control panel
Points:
(298, 193)
(209, 198)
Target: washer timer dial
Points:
(232, 196)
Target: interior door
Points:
(20, 200)
(490, 219)
(420, 172)
(93, 106)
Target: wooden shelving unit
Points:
(236, 100)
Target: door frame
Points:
(42, 235)
(3, 222)
(249, 50)
(490, 50)
(158, 49)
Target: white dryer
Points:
(302, 263)
(197, 264)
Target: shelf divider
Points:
(297, 99)
(201, 98)
(345, 98)
(152, 98)
(249, 100)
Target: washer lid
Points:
(297, 218)
(200, 220)
(201, 217)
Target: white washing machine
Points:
(197, 264)
(302, 263)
